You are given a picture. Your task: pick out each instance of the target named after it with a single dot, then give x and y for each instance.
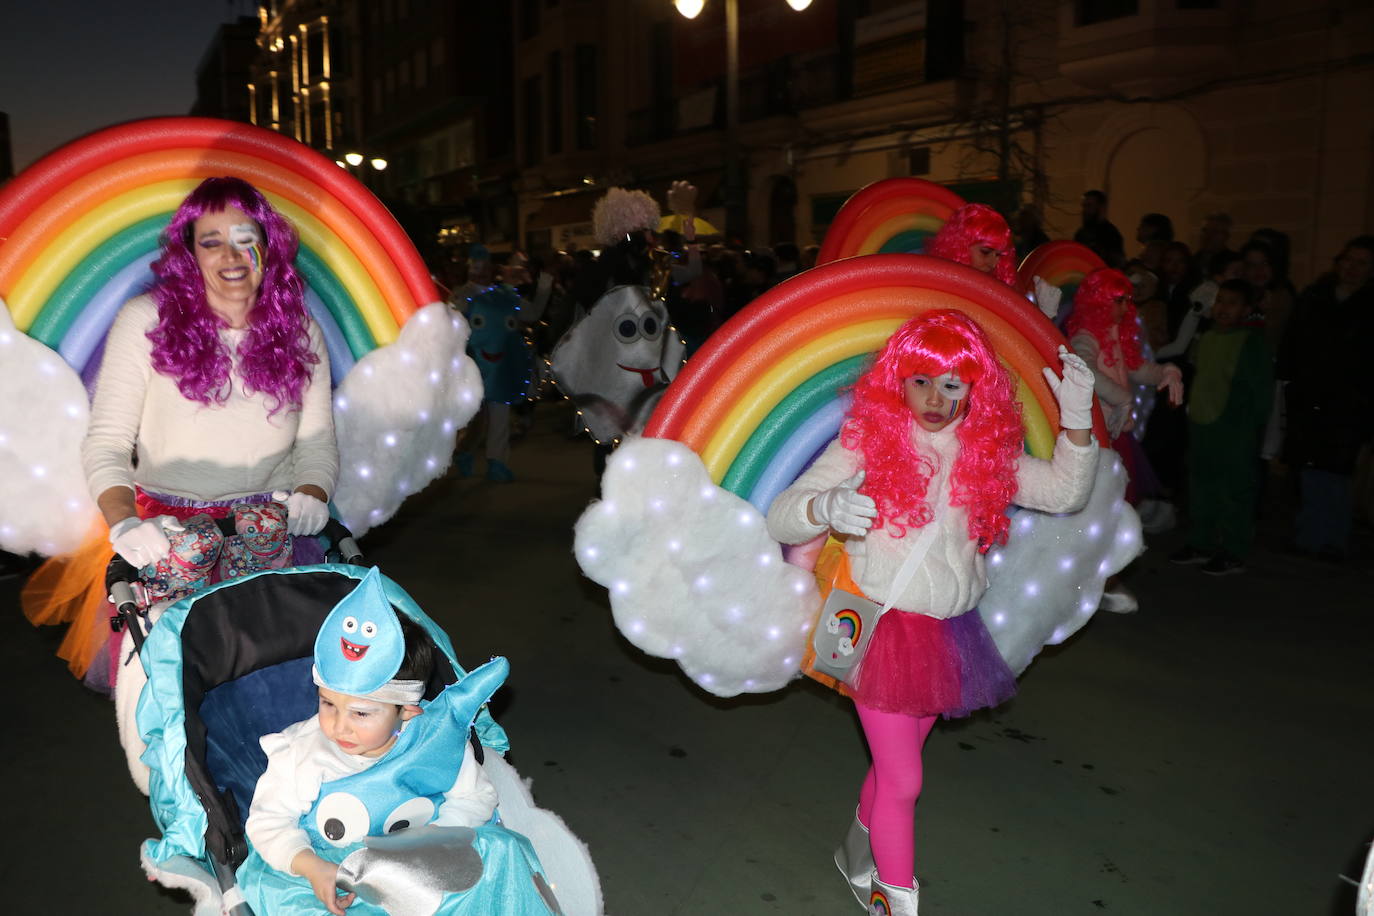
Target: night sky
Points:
(69, 67)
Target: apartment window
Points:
(421, 68)
(534, 117)
(1091, 12)
(529, 18)
(585, 95)
(555, 101)
(339, 56)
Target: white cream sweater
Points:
(199, 451)
(952, 577)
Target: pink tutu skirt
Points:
(915, 664)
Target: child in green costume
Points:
(1227, 409)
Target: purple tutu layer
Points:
(918, 665)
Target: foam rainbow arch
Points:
(1062, 264)
(763, 396)
(895, 215)
(79, 228)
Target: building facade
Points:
(1261, 109)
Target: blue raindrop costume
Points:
(375, 823)
(498, 345)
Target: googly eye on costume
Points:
(415, 812)
(350, 625)
(341, 819)
(626, 328)
(511, 323)
(477, 322)
(650, 327)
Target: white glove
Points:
(142, 542)
(1047, 298)
(1074, 393)
(844, 509)
(305, 514)
(1173, 380)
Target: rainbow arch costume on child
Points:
(1062, 264)
(891, 216)
(679, 536)
(78, 231)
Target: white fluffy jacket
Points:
(952, 578)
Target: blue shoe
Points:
(497, 472)
(463, 462)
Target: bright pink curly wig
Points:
(1093, 306)
(976, 224)
(276, 355)
(990, 436)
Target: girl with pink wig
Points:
(1103, 329)
(915, 489)
(977, 236)
(217, 380)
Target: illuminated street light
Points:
(692, 8)
(379, 163)
(799, 5)
(353, 159)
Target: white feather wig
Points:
(621, 212)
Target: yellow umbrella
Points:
(673, 221)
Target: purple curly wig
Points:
(990, 436)
(976, 224)
(276, 355)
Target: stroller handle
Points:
(121, 576)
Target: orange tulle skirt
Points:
(71, 589)
(832, 570)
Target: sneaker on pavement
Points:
(1188, 556)
(1119, 600)
(1222, 565)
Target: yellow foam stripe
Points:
(100, 223)
(906, 222)
(780, 380)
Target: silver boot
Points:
(886, 900)
(854, 857)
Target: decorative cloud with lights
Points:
(78, 230)
(679, 539)
(1045, 583)
(692, 572)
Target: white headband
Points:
(400, 692)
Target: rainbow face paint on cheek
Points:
(247, 238)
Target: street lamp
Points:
(736, 212)
(353, 159)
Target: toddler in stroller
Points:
(398, 809)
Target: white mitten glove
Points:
(142, 542)
(1047, 298)
(844, 509)
(304, 514)
(1074, 393)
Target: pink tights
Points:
(887, 802)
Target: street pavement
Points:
(1211, 754)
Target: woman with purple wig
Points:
(213, 395)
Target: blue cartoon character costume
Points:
(498, 345)
(412, 829)
(504, 357)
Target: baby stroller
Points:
(231, 663)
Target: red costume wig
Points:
(1094, 306)
(879, 426)
(976, 224)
